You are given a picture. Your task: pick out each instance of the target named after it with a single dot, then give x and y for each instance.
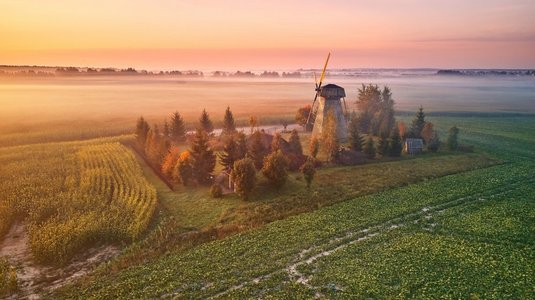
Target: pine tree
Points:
(369, 148)
(177, 130)
(228, 156)
(229, 126)
(275, 168)
(205, 123)
(142, 130)
(244, 177)
(165, 129)
(314, 146)
(329, 139)
(355, 140)
(418, 124)
(295, 143)
(203, 157)
(241, 146)
(453, 142)
(257, 151)
(382, 146)
(395, 146)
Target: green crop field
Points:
(73, 195)
(464, 235)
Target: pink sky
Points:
(254, 34)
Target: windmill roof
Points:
(331, 86)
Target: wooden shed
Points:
(413, 146)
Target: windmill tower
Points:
(331, 97)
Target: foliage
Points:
(156, 147)
(170, 161)
(376, 110)
(184, 168)
(402, 130)
(178, 129)
(453, 139)
(253, 122)
(301, 116)
(241, 145)
(275, 168)
(277, 143)
(369, 148)
(229, 125)
(309, 170)
(142, 130)
(383, 146)
(434, 142)
(314, 146)
(256, 150)
(355, 140)
(427, 132)
(205, 123)
(295, 143)
(216, 191)
(329, 139)
(228, 156)
(418, 124)
(203, 157)
(395, 147)
(244, 177)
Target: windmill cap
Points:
(332, 91)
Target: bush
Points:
(184, 168)
(276, 168)
(244, 177)
(308, 171)
(216, 191)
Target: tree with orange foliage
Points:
(402, 130)
(169, 162)
(184, 168)
(427, 132)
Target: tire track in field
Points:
(310, 255)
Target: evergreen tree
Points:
(203, 157)
(369, 148)
(277, 143)
(177, 130)
(275, 168)
(355, 140)
(309, 170)
(418, 124)
(329, 139)
(314, 146)
(205, 123)
(241, 146)
(244, 177)
(453, 142)
(396, 145)
(382, 146)
(295, 143)
(229, 126)
(166, 130)
(257, 151)
(228, 155)
(142, 130)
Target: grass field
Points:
(8, 278)
(74, 195)
(463, 235)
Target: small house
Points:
(413, 146)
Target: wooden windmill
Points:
(331, 97)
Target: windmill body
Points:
(331, 96)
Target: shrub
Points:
(216, 191)
(276, 168)
(184, 168)
(308, 171)
(244, 177)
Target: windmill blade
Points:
(324, 68)
(312, 107)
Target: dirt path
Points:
(34, 279)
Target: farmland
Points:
(465, 235)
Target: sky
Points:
(275, 34)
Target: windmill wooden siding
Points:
(331, 99)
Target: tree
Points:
(308, 171)
(453, 142)
(295, 143)
(382, 146)
(314, 146)
(369, 148)
(277, 142)
(177, 130)
(355, 140)
(184, 168)
(228, 156)
(170, 161)
(329, 139)
(302, 115)
(241, 146)
(142, 130)
(402, 128)
(205, 123)
(229, 126)
(244, 177)
(396, 146)
(166, 130)
(203, 157)
(418, 124)
(434, 142)
(427, 132)
(257, 151)
(276, 168)
(253, 122)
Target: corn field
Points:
(74, 195)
